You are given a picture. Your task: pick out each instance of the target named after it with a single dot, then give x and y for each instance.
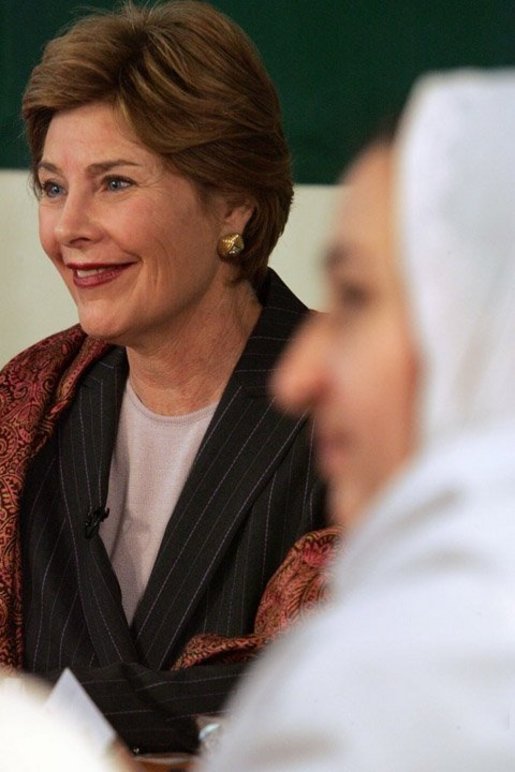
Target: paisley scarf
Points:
(35, 388)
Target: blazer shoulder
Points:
(274, 294)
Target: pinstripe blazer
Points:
(252, 491)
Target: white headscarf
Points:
(457, 210)
(412, 666)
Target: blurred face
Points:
(354, 367)
(132, 240)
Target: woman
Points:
(412, 666)
(163, 180)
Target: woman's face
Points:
(354, 367)
(132, 240)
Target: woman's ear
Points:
(237, 215)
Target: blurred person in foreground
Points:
(149, 486)
(36, 736)
(410, 380)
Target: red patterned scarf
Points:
(300, 583)
(35, 387)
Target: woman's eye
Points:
(353, 296)
(51, 189)
(117, 183)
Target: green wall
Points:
(339, 65)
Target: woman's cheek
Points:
(46, 235)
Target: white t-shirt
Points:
(152, 457)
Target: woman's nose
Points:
(300, 377)
(76, 220)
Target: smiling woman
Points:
(152, 486)
(136, 245)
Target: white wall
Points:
(34, 302)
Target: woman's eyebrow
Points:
(99, 167)
(47, 166)
(105, 166)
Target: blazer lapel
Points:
(86, 438)
(243, 445)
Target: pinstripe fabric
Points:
(251, 493)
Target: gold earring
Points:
(230, 245)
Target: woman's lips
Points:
(87, 276)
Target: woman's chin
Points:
(347, 505)
(101, 329)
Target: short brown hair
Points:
(194, 90)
